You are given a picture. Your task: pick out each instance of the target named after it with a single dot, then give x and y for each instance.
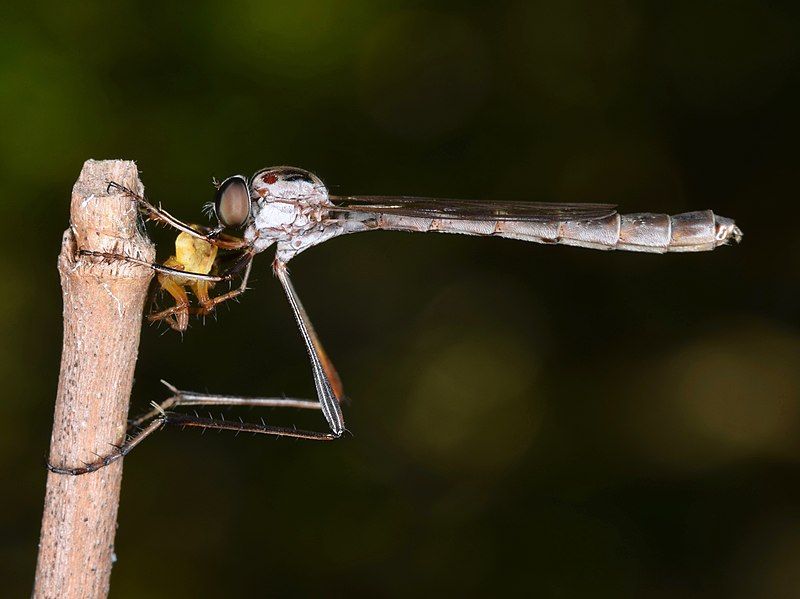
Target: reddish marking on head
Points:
(269, 178)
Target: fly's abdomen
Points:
(688, 232)
(647, 232)
(644, 232)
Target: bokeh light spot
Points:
(473, 405)
(732, 393)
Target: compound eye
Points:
(233, 202)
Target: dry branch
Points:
(103, 305)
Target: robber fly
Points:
(291, 209)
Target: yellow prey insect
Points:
(192, 254)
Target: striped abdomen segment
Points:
(644, 232)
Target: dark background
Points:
(543, 419)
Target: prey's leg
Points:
(178, 315)
(326, 379)
(159, 214)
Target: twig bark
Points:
(103, 305)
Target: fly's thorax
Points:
(287, 201)
(288, 183)
(276, 215)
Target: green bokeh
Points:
(552, 421)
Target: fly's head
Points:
(232, 205)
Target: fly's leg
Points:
(242, 262)
(326, 379)
(247, 427)
(207, 304)
(213, 236)
(158, 417)
(120, 451)
(191, 398)
(178, 316)
(170, 279)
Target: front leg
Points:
(208, 304)
(242, 263)
(213, 236)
